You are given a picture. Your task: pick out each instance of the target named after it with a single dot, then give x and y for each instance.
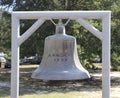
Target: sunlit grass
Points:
(63, 95)
(97, 64)
(73, 94)
(28, 66)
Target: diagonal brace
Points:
(30, 31)
(90, 28)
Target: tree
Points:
(5, 33)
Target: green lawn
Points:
(31, 88)
(64, 95)
(28, 66)
(83, 94)
(96, 94)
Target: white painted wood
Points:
(106, 56)
(30, 31)
(60, 14)
(90, 28)
(15, 58)
(17, 40)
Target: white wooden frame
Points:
(80, 17)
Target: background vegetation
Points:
(89, 47)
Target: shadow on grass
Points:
(4, 92)
(35, 86)
(40, 87)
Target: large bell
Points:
(60, 60)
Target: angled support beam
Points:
(90, 28)
(31, 30)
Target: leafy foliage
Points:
(5, 34)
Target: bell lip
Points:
(62, 76)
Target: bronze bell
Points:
(60, 60)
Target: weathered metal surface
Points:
(60, 60)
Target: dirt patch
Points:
(29, 85)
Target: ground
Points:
(32, 88)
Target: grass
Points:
(98, 64)
(28, 66)
(4, 76)
(30, 88)
(63, 95)
(116, 68)
(4, 92)
(84, 94)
